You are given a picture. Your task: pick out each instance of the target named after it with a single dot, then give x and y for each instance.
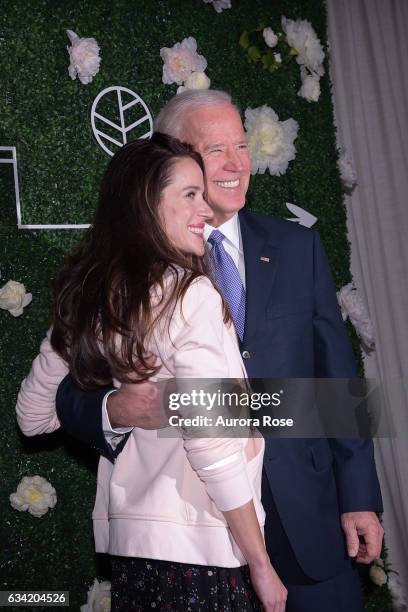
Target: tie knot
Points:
(216, 237)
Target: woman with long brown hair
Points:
(180, 516)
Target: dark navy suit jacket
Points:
(293, 329)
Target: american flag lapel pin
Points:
(266, 259)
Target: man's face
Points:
(217, 133)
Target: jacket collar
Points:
(261, 254)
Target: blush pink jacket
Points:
(163, 497)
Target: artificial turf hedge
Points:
(46, 115)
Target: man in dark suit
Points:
(320, 495)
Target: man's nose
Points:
(233, 160)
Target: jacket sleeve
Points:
(80, 414)
(201, 347)
(356, 477)
(35, 407)
(48, 399)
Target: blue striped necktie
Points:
(228, 280)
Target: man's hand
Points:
(139, 405)
(366, 525)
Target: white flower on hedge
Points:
(277, 57)
(397, 593)
(270, 141)
(196, 80)
(99, 597)
(35, 494)
(13, 297)
(377, 575)
(310, 89)
(301, 36)
(347, 173)
(219, 5)
(181, 60)
(84, 58)
(352, 306)
(270, 37)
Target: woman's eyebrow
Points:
(197, 187)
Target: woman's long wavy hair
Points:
(102, 311)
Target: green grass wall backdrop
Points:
(46, 116)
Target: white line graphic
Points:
(123, 130)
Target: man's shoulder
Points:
(275, 227)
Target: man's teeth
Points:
(196, 230)
(228, 183)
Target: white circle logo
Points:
(118, 115)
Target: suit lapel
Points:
(261, 256)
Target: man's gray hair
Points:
(170, 119)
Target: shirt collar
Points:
(231, 231)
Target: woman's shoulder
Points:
(199, 299)
(201, 294)
(200, 287)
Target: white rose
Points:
(301, 36)
(181, 60)
(35, 494)
(13, 297)
(197, 80)
(347, 173)
(365, 330)
(277, 57)
(352, 306)
(397, 592)
(269, 135)
(99, 597)
(349, 301)
(219, 5)
(270, 37)
(84, 58)
(270, 141)
(310, 89)
(377, 575)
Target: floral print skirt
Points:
(142, 585)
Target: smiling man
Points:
(218, 135)
(319, 495)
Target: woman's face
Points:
(182, 208)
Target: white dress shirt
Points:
(112, 436)
(232, 242)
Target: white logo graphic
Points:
(115, 130)
(303, 217)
